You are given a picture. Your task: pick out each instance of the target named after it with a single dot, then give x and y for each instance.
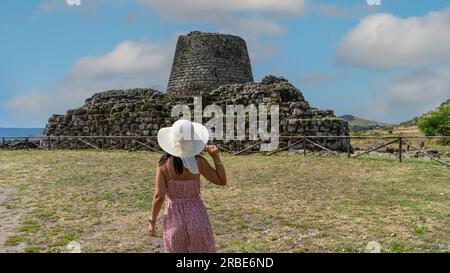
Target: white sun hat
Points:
(185, 139)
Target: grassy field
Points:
(429, 144)
(283, 203)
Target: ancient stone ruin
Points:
(216, 67)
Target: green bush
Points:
(436, 123)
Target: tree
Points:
(436, 123)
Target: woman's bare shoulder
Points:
(201, 160)
(161, 164)
(199, 157)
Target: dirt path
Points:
(9, 221)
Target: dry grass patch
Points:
(282, 203)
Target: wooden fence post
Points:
(304, 146)
(3, 143)
(49, 145)
(348, 147)
(27, 143)
(400, 148)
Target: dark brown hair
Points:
(177, 162)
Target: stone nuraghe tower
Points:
(215, 66)
(206, 61)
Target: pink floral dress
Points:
(186, 226)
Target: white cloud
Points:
(181, 10)
(128, 65)
(385, 41)
(88, 8)
(24, 104)
(239, 16)
(254, 20)
(409, 95)
(253, 27)
(128, 59)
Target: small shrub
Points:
(437, 123)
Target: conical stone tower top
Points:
(206, 61)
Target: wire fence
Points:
(352, 146)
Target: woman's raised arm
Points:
(218, 175)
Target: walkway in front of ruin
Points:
(9, 222)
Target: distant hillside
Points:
(358, 124)
(415, 120)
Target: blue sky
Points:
(388, 62)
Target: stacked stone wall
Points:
(142, 112)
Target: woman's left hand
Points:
(212, 150)
(152, 229)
